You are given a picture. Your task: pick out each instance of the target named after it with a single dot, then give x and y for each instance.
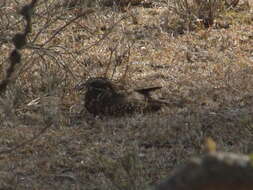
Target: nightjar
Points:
(103, 97)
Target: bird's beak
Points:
(80, 86)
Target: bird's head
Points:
(96, 87)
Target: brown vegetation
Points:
(47, 139)
(215, 171)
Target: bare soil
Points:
(207, 73)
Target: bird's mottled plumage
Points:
(103, 97)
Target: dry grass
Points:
(208, 71)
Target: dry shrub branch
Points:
(19, 41)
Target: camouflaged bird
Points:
(103, 97)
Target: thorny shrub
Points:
(187, 15)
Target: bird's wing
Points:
(146, 91)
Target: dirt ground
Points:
(206, 73)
